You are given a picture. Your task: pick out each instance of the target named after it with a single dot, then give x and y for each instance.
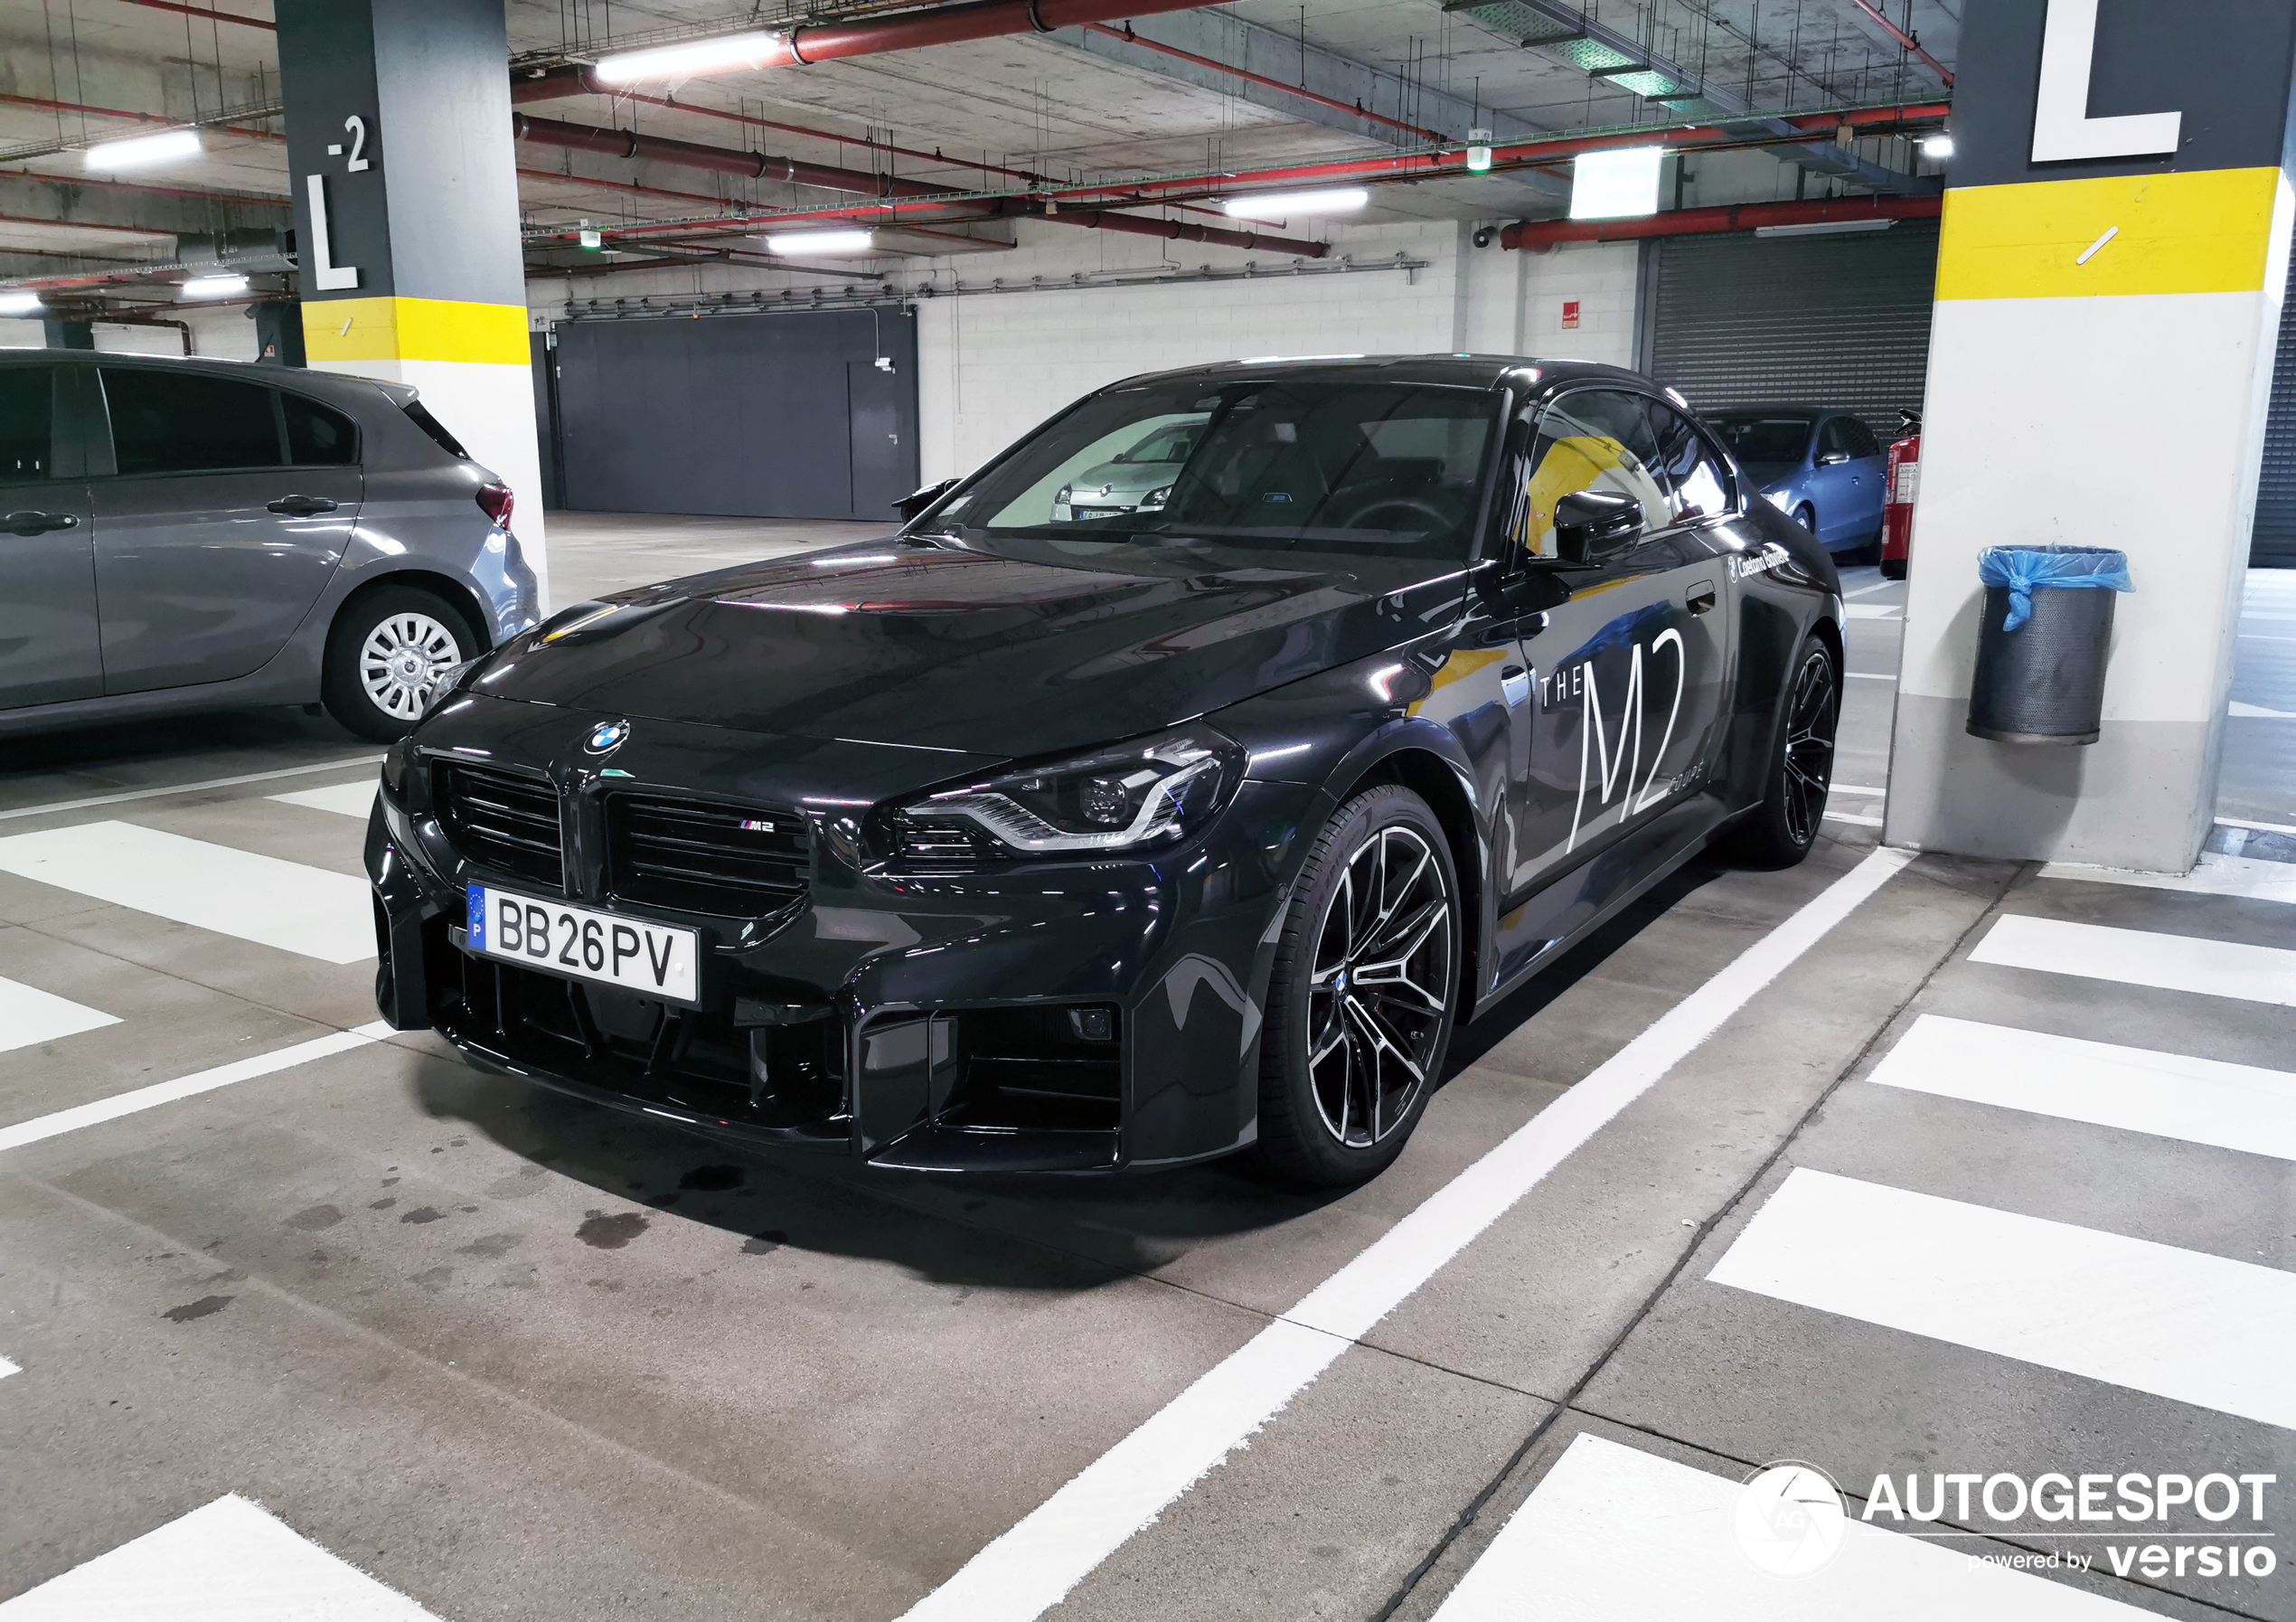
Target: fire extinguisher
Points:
(1902, 479)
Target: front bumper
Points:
(1028, 1015)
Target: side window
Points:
(27, 421)
(1833, 439)
(317, 436)
(1698, 483)
(1858, 440)
(169, 421)
(1590, 440)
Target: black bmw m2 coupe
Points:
(1048, 837)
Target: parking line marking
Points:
(2261, 827)
(1615, 1534)
(2242, 712)
(1863, 822)
(298, 909)
(2183, 1324)
(183, 1087)
(29, 1016)
(1868, 676)
(1032, 1568)
(147, 794)
(2242, 1106)
(8, 1368)
(226, 1562)
(1873, 610)
(2214, 874)
(346, 799)
(2216, 968)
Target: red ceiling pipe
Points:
(1539, 235)
(1907, 40)
(208, 13)
(1304, 94)
(629, 144)
(951, 25)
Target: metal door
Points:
(49, 647)
(884, 444)
(210, 547)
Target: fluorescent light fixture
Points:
(1478, 151)
(730, 54)
(1616, 184)
(139, 150)
(820, 242)
(21, 303)
(1283, 205)
(213, 287)
(1825, 228)
(591, 237)
(1939, 145)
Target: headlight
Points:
(1780, 499)
(1125, 797)
(449, 680)
(1155, 499)
(1061, 499)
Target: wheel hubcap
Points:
(401, 661)
(1380, 987)
(1809, 756)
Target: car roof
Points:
(1458, 370)
(344, 388)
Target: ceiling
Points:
(1078, 110)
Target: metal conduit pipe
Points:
(725, 160)
(1538, 236)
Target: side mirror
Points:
(1591, 523)
(1833, 458)
(917, 501)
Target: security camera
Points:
(1485, 235)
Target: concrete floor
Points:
(521, 1358)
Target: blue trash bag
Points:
(2026, 569)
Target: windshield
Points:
(1280, 464)
(1771, 438)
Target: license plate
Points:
(651, 959)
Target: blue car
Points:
(1824, 470)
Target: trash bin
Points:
(2041, 646)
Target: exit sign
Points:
(1570, 314)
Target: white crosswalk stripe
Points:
(284, 904)
(29, 1016)
(2239, 1106)
(1615, 1534)
(2223, 968)
(226, 1562)
(345, 799)
(2178, 1323)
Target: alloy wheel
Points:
(1808, 752)
(1380, 986)
(402, 660)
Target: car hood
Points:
(1766, 474)
(1029, 649)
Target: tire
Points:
(1346, 1071)
(1781, 829)
(369, 681)
(1806, 516)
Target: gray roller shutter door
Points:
(767, 416)
(1840, 322)
(2272, 542)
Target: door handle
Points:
(39, 524)
(1514, 681)
(1701, 597)
(300, 507)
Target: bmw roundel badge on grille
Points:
(607, 736)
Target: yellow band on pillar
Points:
(414, 329)
(2209, 231)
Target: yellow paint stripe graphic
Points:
(415, 329)
(2208, 231)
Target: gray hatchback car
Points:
(180, 534)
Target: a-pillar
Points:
(406, 212)
(2110, 273)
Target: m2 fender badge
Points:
(607, 736)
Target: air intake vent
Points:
(727, 861)
(501, 821)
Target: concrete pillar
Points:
(67, 335)
(406, 212)
(2110, 273)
